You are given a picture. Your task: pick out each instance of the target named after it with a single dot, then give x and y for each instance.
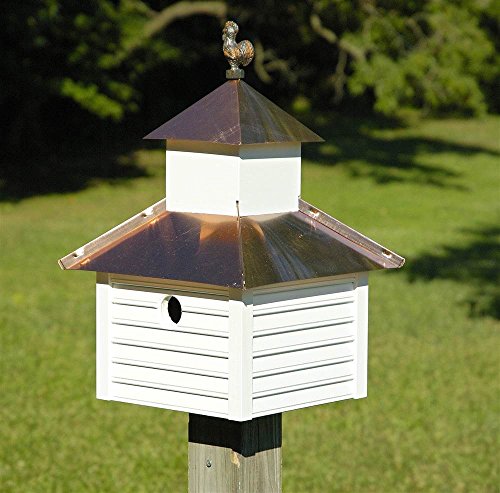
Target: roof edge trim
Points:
(80, 255)
(388, 258)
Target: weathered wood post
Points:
(230, 456)
(232, 299)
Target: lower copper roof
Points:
(238, 252)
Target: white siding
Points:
(155, 362)
(308, 396)
(304, 346)
(315, 372)
(170, 399)
(274, 350)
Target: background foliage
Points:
(70, 67)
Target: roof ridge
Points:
(238, 83)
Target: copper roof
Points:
(234, 113)
(237, 252)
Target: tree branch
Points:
(267, 61)
(180, 10)
(339, 77)
(260, 56)
(329, 36)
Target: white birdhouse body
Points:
(271, 350)
(232, 297)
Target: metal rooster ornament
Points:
(236, 53)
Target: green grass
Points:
(430, 423)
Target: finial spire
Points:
(236, 53)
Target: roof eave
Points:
(387, 258)
(106, 240)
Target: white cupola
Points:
(233, 152)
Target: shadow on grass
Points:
(389, 158)
(28, 176)
(351, 141)
(476, 264)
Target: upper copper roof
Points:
(237, 252)
(234, 113)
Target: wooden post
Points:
(229, 456)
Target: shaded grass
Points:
(386, 154)
(476, 263)
(31, 176)
(430, 423)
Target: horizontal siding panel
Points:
(154, 295)
(170, 337)
(312, 314)
(301, 406)
(199, 320)
(190, 320)
(302, 347)
(170, 388)
(189, 361)
(135, 302)
(280, 381)
(301, 304)
(171, 327)
(204, 383)
(303, 398)
(183, 401)
(145, 307)
(303, 334)
(124, 292)
(136, 313)
(312, 293)
(309, 355)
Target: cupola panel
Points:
(232, 180)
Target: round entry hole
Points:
(174, 309)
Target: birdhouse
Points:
(232, 297)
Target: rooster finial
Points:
(236, 53)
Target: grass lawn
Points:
(431, 421)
